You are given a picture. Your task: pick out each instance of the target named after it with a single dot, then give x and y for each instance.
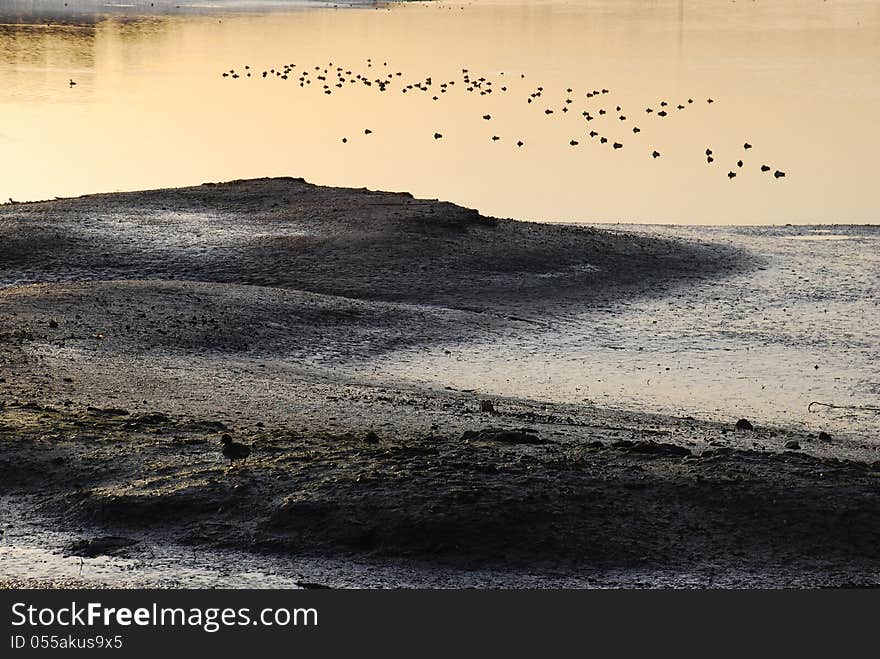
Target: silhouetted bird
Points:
(603, 139)
(739, 163)
(778, 174)
(520, 143)
(437, 136)
(487, 117)
(617, 145)
(367, 131)
(233, 450)
(765, 168)
(662, 113)
(574, 143)
(708, 152)
(747, 146)
(731, 174)
(709, 100)
(636, 129)
(495, 138)
(655, 154)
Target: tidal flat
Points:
(138, 328)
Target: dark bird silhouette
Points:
(344, 140)
(520, 143)
(487, 117)
(233, 450)
(636, 129)
(710, 159)
(593, 133)
(367, 131)
(655, 154)
(437, 136)
(603, 139)
(747, 146)
(495, 138)
(662, 113)
(708, 152)
(731, 174)
(739, 163)
(709, 100)
(574, 143)
(778, 174)
(617, 145)
(765, 168)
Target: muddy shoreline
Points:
(137, 328)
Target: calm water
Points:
(798, 79)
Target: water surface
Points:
(797, 79)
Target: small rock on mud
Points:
(744, 424)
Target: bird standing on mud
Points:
(233, 451)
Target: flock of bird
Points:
(331, 78)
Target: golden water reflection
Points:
(797, 79)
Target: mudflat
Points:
(138, 328)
